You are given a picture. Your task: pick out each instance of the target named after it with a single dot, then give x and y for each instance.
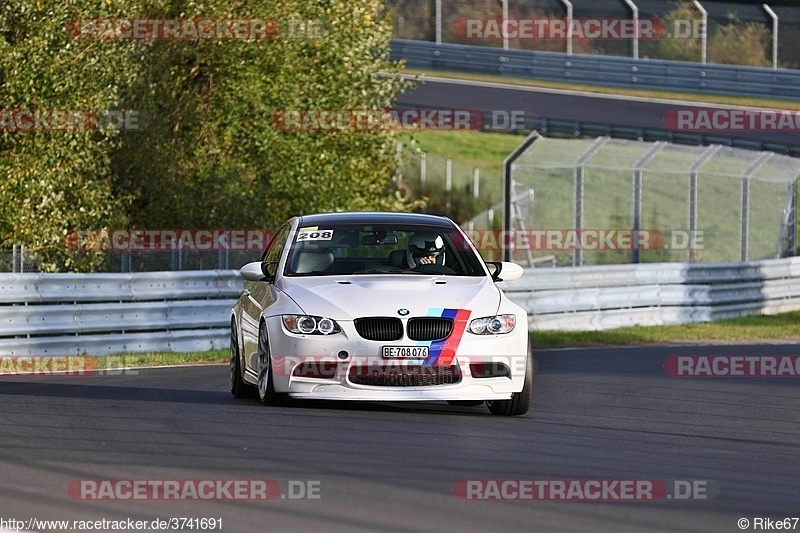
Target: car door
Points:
(259, 296)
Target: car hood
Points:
(349, 297)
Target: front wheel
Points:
(266, 385)
(239, 388)
(520, 402)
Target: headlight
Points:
(491, 325)
(310, 325)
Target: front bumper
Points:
(487, 367)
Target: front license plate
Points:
(410, 352)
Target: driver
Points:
(425, 248)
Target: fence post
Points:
(577, 254)
(423, 168)
(695, 168)
(18, 258)
(744, 239)
(476, 181)
(398, 174)
(508, 164)
(448, 180)
(637, 197)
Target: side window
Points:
(276, 247)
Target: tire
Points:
(520, 402)
(266, 385)
(239, 388)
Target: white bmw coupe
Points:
(379, 307)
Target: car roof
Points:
(363, 217)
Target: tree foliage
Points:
(735, 43)
(740, 43)
(56, 181)
(209, 154)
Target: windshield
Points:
(348, 249)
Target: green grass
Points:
(785, 326)
(161, 359)
(642, 93)
(485, 150)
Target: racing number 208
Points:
(324, 235)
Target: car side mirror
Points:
(258, 271)
(510, 271)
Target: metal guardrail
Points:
(602, 70)
(103, 314)
(604, 297)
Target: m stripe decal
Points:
(443, 352)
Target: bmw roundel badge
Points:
(403, 312)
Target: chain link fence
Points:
(573, 202)
(610, 201)
(21, 260)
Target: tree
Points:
(211, 155)
(676, 45)
(739, 43)
(55, 181)
(213, 135)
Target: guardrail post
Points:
(636, 26)
(703, 31)
(505, 23)
(568, 4)
(774, 35)
(438, 21)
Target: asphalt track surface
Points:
(597, 414)
(566, 105)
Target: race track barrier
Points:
(605, 297)
(659, 74)
(103, 314)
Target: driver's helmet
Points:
(425, 244)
